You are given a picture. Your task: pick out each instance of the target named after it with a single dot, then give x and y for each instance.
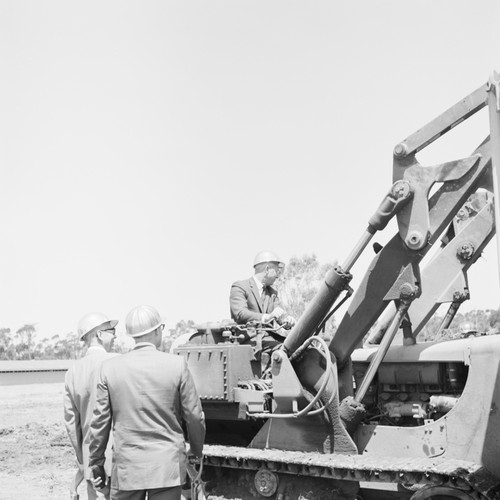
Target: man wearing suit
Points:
(255, 299)
(146, 395)
(98, 333)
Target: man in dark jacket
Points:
(256, 300)
(146, 395)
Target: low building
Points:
(33, 371)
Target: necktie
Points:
(265, 298)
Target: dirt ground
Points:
(36, 458)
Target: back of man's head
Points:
(144, 324)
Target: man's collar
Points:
(143, 344)
(259, 283)
(93, 349)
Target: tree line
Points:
(23, 345)
(297, 286)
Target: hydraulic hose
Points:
(306, 411)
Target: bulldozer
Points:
(374, 413)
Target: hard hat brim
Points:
(149, 330)
(106, 325)
(267, 256)
(281, 265)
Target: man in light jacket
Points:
(146, 395)
(98, 333)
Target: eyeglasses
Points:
(111, 331)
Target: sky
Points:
(148, 150)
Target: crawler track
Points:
(458, 474)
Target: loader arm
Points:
(421, 222)
(371, 299)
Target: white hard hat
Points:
(94, 321)
(141, 320)
(267, 256)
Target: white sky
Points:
(149, 149)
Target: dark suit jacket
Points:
(246, 304)
(145, 395)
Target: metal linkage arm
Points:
(443, 123)
(494, 112)
(408, 293)
(444, 278)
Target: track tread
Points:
(422, 471)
